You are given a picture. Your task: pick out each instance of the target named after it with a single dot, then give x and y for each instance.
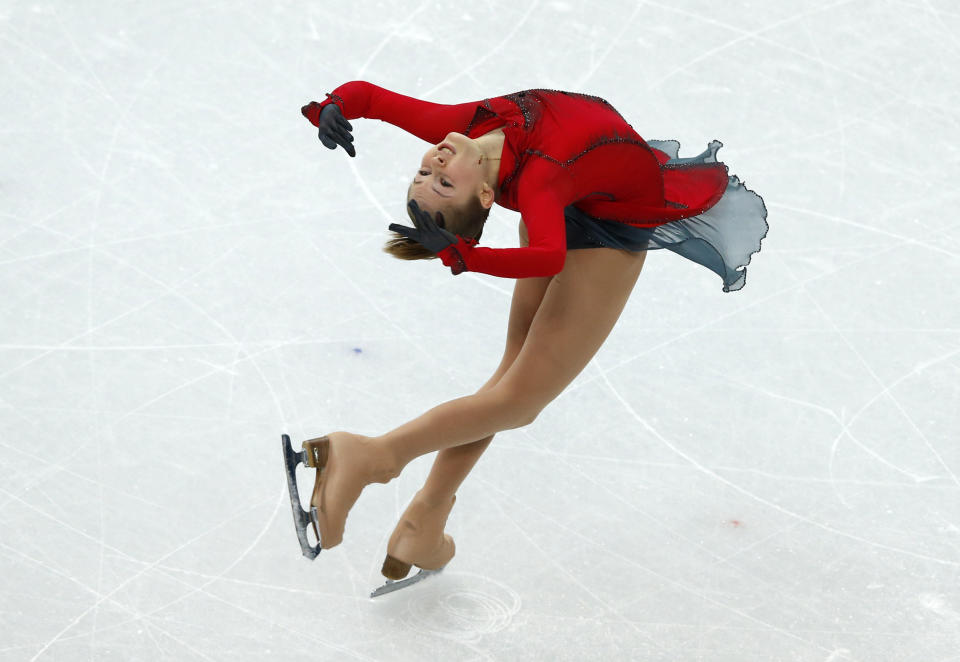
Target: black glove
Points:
(335, 129)
(427, 232)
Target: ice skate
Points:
(301, 518)
(417, 540)
(392, 586)
(345, 464)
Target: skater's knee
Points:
(529, 416)
(523, 417)
(529, 413)
(516, 409)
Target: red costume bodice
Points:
(560, 148)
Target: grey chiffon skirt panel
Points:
(723, 238)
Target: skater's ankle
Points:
(384, 464)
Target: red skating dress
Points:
(580, 176)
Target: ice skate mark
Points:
(400, 29)
(482, 606)
(888, 390)
(494, 51)
(147, 567)
(611, 44)
(770, 504)
(937, 603)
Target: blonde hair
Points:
(466, 221)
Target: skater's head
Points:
(453, 177)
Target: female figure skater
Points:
(593, 197)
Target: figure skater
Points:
(593, 198)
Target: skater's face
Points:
(450, 173)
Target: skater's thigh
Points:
(527, 295)
(579, 309)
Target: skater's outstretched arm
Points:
(427, 120)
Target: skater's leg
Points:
(452, 465)
(419, 536)
(579, 309)
(369, 463)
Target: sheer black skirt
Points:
(723, 238)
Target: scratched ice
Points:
(187, 273)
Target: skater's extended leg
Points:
(579, 309)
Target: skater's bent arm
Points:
(546, 249)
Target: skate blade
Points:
(301, 518)
(392, 586)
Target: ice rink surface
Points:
(187, 273)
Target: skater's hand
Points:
(432, 235)
(429, 233)
(335, 130)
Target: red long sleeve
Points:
(543, 215)
(427, 121)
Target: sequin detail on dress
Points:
(529, 102)
(598, 142)
(483, 113)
